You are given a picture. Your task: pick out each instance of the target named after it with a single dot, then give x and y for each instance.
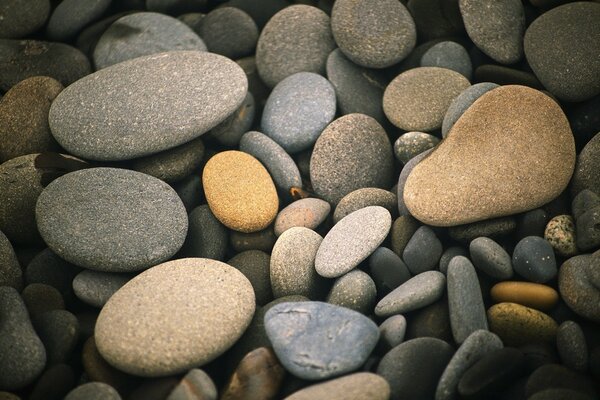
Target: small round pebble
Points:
(560, 233)
(70, 16)
(533, 258)
(354, 290)
(255, 265)
(491, 258)
(419, 291)
(308, 213)
(518, 325)
(411, 144)
(529, 294)
(387, 270)
(449, 55)
(423, 251)
(572, 346)
(93, 391)
(95, 288)
(463, 101)
(358, 386)
(206, 237)
(532, 223)
(362, 198)
(392, 331)
(40, 298)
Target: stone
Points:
(449, 254)
(373, 35)
(240, 191)
(357, 386)
(355, 291)
(572, 346)
(30, 58)
(476, 346)
(196, 384)
(280, 164)
(497, 29)
(261, 13)
(40, 299)
(10, 269)
(587, 232)
(559, 47)
(403, 228)
(54, 383)
(154, 389)
(206, 236)
(533, 259)
(417, 99)
(229, 31)
(70, 16)
(89, 117)
(436, 19)
(431, 321)
(404, 174)
(392, 331)
(539, 151)
(293, 264)
(307, 213)
(465, 301)
(560, 233)
(112, 220)
(175, 7)
(528, 294)
(24, 117)
(95, 287)
(361, 198)
(532, 223)
(419, 291)
(89, 36)
(23, 17)
(353, 152)
(387, 270)
(558, 377)
(352, 240)
(48, 268)
(262, 240)
(503, 75)
(296, 39)
(315, 340)
(491, 258)
(59, 332)
(188, 189)
(414, 367)
(496, 228)
(559, 394)
(584, 201)
(186, 313)
(22, 352)
(255, 265)
(577, 289)
(462, 102)
(298, 109)
(93, 390)
(98, 370)
(423, 251)
(449, 55)
(518, 325)
(143, 34)
(411, 144)
(230, 131)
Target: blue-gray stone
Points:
(280, 164)
(449, 55)
(142, 34)
(465, 301)
(406, 170)
(463, 101)
(388, 270)
(533, 258)
(298, 109)
(95, 287)
(206, 236)
(423, 251)
(491, 258)
(160, 101)
(70, 16)
(315, 340)
(418, 292)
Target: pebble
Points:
(262, 240)
(255, 265)
(587, 232)
(414, 367)
(411, 144)
(502, 75)
(403, 228)
(23, 17)
(392, 331)
(353, 152)
(40, 298)
(518, 325)
(175, 6)
(436, 19)
(99, 370)
(560, 233)
(419, 291)
(491, 258)
(355, 291)
(261, 13)
(450, 55)
(308, 213)
(278, 162)
(559, 394)
(539, 150)
(357, 89)
(577, 289)
(532, 223)
(352, 240)
(195, 385)
(449, 254)
(462, 102)
(559, 377)
(93, 391)
(387, 270)
(31, 58)
(476, 346)
(89, 117)
(70, 16)
(230, 131)
(293, 264)
(417, 99)
(111, 220)
(24, 117)
(373, 35)
(206, 236)
(497, 29)
(431, 321)
(585, 176)
(559, 47)
(48, 268)
(496, 228)
(59, 332)
(298, 109)
(357, 386)
(186, 313)
(315, 340)
(229, 31)
(10, 269)
(528, 294)
(533, 259)
(585, 200)
(365, 197)
(54, 383)
(240, 191)
(95, 288)
(21, 350)
(188, 189)
(296, 39)
(417, 260)
(572, 346)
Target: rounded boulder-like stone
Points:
(525, 166)
(533, 259)
(70, 16)
(255, 265)
(354, 290)
(519, 325)
(10, 270)
(175, 316)
(93, 390)
(352, 240)
(110, 219)
(572, 346)
(358, 386)
(160, 101)
(240, 191)
(560, 233)
(308, 213)
(449, 55)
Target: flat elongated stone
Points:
(417, 292)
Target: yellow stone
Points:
(529, 294)
(518, 325)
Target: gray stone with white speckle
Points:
(463, 101)
(533, 258)
(229, 31)
(411, 144)
(95, 287)
(354, 290)
(418, 292)
(364, 197)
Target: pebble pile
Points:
(299, 199)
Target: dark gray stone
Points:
(261, 12)
(449, 55)
(93, 391)
(54, 383)
(576, 286)
(462, 102)
(406, 170)
(255, 265)
(436, 19)
(558, 377)
(403, 228)
(190, 191)
(175, 7)
(423, 251)
(143, 34)
(206, 236)
(431, 321)
(361, 198)
(449, 254)
(22, 17)
(532, 223)
(588, 230)
(388, 270)
(418, 292)
(585, 175)
(229, 31)
(10, 269)
(411, 144)
(584, 201)
(261, 240)
(95, 287)
(559, 394)
(315, 340)
(230, 131)
(572, 346)
(70, 16)
(533, 258)
(491, 258)
(59, 332)
(48, 268)
(157, 111)
(111, 220)
(297, 110)
(392, 331)
(89, 36)
(40, 298)
(354, 290)
(492, 228)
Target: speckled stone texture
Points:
(519, 157)
(449, 55)
(175, 316)
(577, 287)
(411, 144)
(22, 17)
(70, 16)
(462, 102)
(419, 291)
(229, 31)
(361, 198)
(10, 270)
(517, 325)
(354, 290)
(142, 98)
(586, 169)
(95, 288)
(308, 213)
(110, 219)
(358, 386)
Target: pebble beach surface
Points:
(299, 199)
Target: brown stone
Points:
(529, 294)
(358, 386)
(308, 213)
(518, 325)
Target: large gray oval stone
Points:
(146, 105)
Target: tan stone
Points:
(240, 191)
(529, 294)
(358, 386)
(517, 325)
(511, 151)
